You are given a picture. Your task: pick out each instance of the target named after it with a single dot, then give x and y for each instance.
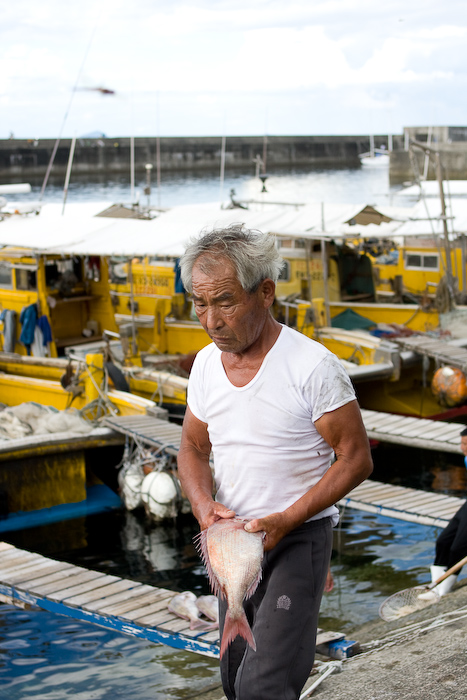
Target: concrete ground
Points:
(419, 657)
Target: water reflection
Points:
(45, 656)
(428, 470)
(356, 185)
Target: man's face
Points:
(232, 318)
(464, 444)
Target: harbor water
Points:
(50, 657)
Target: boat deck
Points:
(125, 606)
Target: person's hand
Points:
(329, 585)
(209, 512)
(274, 526)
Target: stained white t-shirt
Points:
(267, 452)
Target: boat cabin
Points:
(65, 296)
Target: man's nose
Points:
(213, 318)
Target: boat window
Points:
(285, 272)
(421, 261)
(26, 280)
(63, 275)
(6, 277)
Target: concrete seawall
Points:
(23, 158)
(30, 157)
(453, 157)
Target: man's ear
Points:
(268, 291)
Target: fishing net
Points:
(407, 602)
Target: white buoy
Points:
(130, 479)
(160, 495)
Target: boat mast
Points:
(68, 172)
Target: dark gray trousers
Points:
(283, 614)
(451, 545)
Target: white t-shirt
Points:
(267, 452)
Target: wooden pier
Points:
(403, 503)
(413, 432)
(398, 502)
(441, 351)
(385, 427)
(122, 605)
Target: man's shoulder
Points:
(206, 354)
(301, 342)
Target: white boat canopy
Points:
(426, 218)
(80, 231)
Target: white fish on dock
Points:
(208, 605)
(184, 605)
(233, 560)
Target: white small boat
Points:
(376, 157)
(377, 160)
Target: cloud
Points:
(244, 57)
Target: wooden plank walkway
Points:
(385, 427)
(413, 432)
(403, 503)
(439, 350)
(119, 604)
(122, 605)
(393, 501)
(148, 430)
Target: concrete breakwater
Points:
(20, 158)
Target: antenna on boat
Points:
(75, 87)
(158, 153)
(132, 169)
(221, 184)
(147, 189)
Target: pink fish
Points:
(232, 557)
(184, 605)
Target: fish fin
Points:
(203, 625)
(201, 545)
(236, 627)
(254, 584)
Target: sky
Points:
(230, 67)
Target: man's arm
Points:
(344, 431)
(195, 474)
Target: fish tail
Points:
(236, 627)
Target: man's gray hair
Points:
(253, 254)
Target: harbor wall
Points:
(30, 157)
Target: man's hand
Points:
(275, 527)
(210, 512)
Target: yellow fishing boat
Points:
(66, 455)
(153, 318)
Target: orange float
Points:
(449, 386)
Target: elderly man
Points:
(275, 408)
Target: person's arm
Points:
(344, 431)
(195, 473)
